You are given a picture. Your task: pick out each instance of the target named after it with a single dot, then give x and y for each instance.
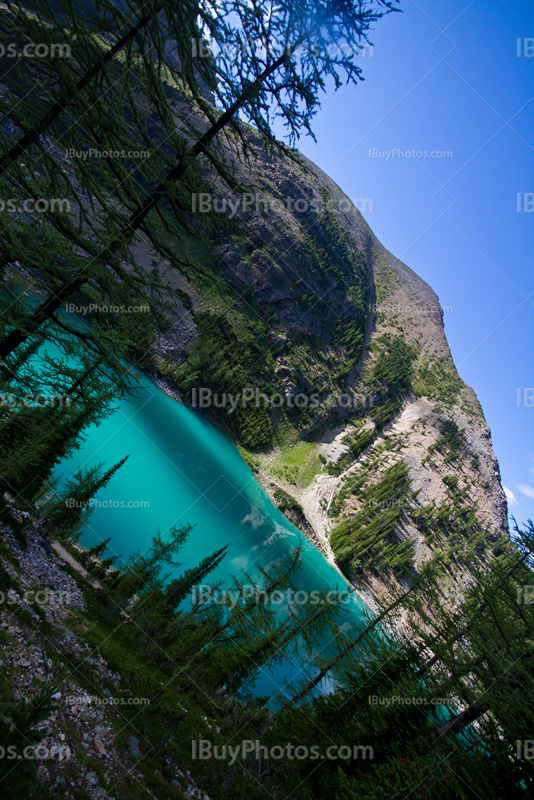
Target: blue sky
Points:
(447, 77)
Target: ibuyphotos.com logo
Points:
(204, 397)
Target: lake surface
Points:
(184, 470)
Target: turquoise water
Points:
(183, 470)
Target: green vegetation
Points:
(130, 103)
(367, 540)
(442, 715)
(391, 380)
(298, 462)
(438, 381)
(287, 472)
(392, 377)
(452, 443)
(356, 478)
(18, 722)
(188, 662)
(196, 661)
(358, 441)
(229, 365)
(337, 259)
(387, 278)
(394, 365)
(351, 484)
(453, 527)
(285, 502)
(251, 459)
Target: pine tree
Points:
(444, 712)
(143, 571)
(244, 87)
(18, 737)
(177, 590)
(70, 510)
(34, 440)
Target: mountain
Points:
(324, 358)
(320, 354)
(388, 458)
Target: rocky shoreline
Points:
(80, 753)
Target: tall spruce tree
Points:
(294, 77)
(72, 507)
(442, 713)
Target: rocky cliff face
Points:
(392, 458)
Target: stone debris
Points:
(134, 747)
(78, 723)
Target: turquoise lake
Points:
(184, 470)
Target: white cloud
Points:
(524, 489)
(279, 532)
(254, 518)
(240, 562)
(510, 496)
